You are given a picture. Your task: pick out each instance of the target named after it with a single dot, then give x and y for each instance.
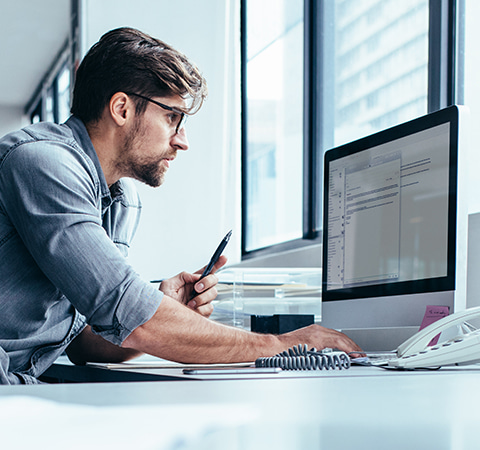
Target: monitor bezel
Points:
(445, 283)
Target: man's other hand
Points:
(320, 338)
(188, 289)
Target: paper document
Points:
(151, 362)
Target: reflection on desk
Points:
(153, 426)
(360, 408)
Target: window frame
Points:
(37, 104)
(444, 65)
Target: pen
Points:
(233, 371)
(214, 258)
(216, 255)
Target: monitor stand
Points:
(382, 323)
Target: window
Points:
(63, 93)
(274, 123)
(52, 100)
(379, 66)
(317, 74)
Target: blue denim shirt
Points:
(64, 237)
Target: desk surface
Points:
(143, 369)
(363, 407)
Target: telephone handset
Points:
(462, 348)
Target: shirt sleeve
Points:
(54, 204)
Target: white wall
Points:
(472, 99)
(184, 219)
(11, 118)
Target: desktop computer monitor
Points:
(394, 230)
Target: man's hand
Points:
(321, 337)
(179, 334)
(186, 288)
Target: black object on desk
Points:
(70, 373)
(280, 323)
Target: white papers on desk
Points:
(158, 363)
(152, 362)
(30, 422)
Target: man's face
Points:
(152, 142)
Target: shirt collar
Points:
(83, 138)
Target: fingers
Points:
(205, 284)
(347, 345)
(335, 339)
(207, 292)
(204, 290)
(321, 337)
(210, 280)
(205, 310)
(222, 260)
(172, 286)
(203, 298)
(220, 263)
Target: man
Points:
(68, 212)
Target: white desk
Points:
(146, 368)
(369, 408)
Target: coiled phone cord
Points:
(300, 358)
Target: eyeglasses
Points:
(178, 120)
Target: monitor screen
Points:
(390, 212)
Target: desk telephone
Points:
(463, 347)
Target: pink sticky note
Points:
(432, 314)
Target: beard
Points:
(148, 170)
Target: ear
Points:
(121, 108)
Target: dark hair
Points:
(127, 60)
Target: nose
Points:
(179, 140)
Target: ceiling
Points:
(32, 32)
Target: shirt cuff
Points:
(139, 303)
